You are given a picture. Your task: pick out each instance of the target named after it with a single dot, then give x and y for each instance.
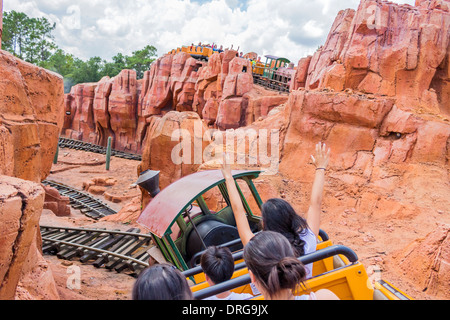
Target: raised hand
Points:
(322, 157)
(226, 166)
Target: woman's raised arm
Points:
(245, 233)
(320, 161)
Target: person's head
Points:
(279, 216)
(217, 264)
(161, 282)
(272, 265)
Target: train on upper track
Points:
(276, 73)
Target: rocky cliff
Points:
(31, 118)
(221, 92)
(387, 49)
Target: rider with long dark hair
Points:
(279, 216)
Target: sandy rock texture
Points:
(31, 117)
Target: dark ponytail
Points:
(279, 216)
(287, 274)
(271, 259)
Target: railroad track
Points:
(122, 251)
(88, 205)
(271, 84)
(86, 146)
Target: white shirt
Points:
(310, 296)
(232, 296)
(310, 246)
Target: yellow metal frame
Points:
(194, 50)
(319, 267)
(388, 294)
(348, 281)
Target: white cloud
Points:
(86, 28)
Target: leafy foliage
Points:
(31, 39)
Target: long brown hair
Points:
(279, 216)
(270, 257)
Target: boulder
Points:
(21, 205)
(58, 204)
(31, 117)
(174, 146)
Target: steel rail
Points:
(112, 249)
(111, 253)
(90, 147)
(82, 201)
(99, 231)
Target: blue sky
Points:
(87, 28)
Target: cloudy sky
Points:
(87, 28)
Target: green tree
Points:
(30, 39)
(40, 42)
(113, 68)
(14, 32)
(60, 62)
(89, 71)
(141, 60)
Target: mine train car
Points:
(197, 52)
(195, 212)
(276, 73)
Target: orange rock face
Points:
(174, 146)
(31, 117)
(20, 209)
(427, 261)
(387, 49)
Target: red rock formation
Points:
(220, 91)
(301, 74)
(388, 49)
(79, 105)
(122, 108)
(58, 204)
(158, 95)
(31, 117)
(20, 209)
(21, 206)
(102, 118)
(174, 146)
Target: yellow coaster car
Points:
(335, 268)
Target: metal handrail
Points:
(306, 259)
(236, 256)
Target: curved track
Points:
(85, 146)
(90, 206)
(111, 249)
